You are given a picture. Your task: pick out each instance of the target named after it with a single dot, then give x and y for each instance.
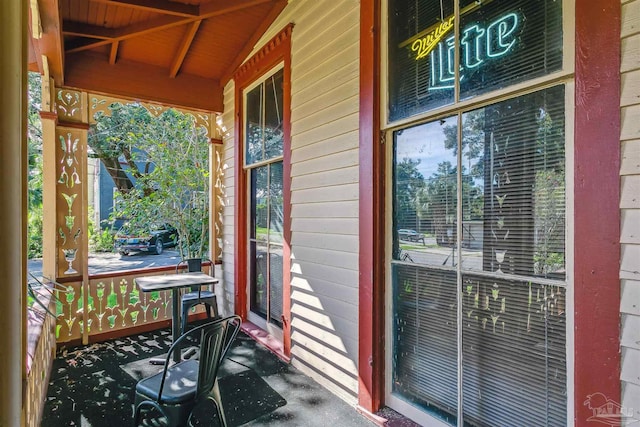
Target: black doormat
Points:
(95, 385)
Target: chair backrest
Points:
(212, 353)
(196, 266)
(216, 338)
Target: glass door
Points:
(264, 139)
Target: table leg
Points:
(175, 321)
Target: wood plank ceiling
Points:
(177, 52)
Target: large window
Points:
(477, 270)
(264, 142)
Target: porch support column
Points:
(13, 209)
(65, 230)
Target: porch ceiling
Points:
(176, 52)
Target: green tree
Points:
(34, 180)
(174, 187)
(409, 183)
(113, 139)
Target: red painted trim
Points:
(371, 205)
(277, 50)
(274, 345)
(597, 197)
(73, 125)
(49, 116)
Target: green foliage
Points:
(99, 240)
(34, 180)
(174, 188)
(34, 236)
(102, 241)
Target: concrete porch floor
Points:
(94, 386)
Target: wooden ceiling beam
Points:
(184, 48)
(220, 7)
(113, 55)
(50, 44)
(91, 72)
(164, 22)
(278, 6)
(134, 30)
(79, 29)
(164, 7)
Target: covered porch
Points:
(91, 55)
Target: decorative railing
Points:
(111, 304)
(41, 346)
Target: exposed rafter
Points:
(157, 6)
(113, 55)
(82, 42)
(184, 48)
(207, 10)
(79, 29)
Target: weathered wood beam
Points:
(278, 6)
(184, 48)
(113, 55)
(157, 6)
(50, 42)
(91, 72)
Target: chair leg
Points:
(218, 401)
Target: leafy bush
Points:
(34, 236)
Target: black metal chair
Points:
(180, 387)
(197, 295)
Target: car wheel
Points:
(123, 253)
(159, 247)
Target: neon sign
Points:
(423, 46)
(477, 45)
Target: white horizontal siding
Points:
(324, 188)
(228, 231)
(630, 206)
(630, 399)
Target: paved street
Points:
(105, 262)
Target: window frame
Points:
(565, 76)
(245, 91)
(275, 51)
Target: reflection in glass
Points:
(264, 134)
(513, 186)
(276, 214)
(273, 131)
(266, 241)
(275, 284)
(253, 131)
(425, 193)
(506, 193)
(259, 202)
